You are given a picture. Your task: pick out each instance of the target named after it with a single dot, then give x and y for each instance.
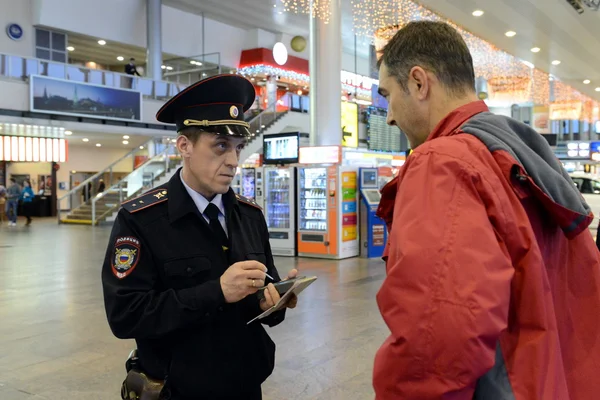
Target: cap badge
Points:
(234, 112)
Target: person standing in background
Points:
(101, 186)
(130, 69)
(27, 196)
(13, 193)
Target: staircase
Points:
(104, 206)
(270, 122)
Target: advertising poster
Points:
(541, 119)
(58, 96)
(349, 206)
(349, 124)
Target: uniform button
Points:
(188, 270)
(220, 308)
(207, 314)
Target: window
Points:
(595, 187)
(50, 45)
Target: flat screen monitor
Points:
(281, 148)
(369, 178)
(373, 196)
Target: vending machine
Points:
(251, 184)
(373, 232)
(327, 208)
(280, 209)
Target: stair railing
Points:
(142, 178)
(262, 121)
(82, 193)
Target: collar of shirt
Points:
(201, 201)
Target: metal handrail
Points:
(107, 168)
(118, 185)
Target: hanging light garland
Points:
(320, 8)
(296, 78)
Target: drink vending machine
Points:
(280, 209)
(327, 206)
(373, 232)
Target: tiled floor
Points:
(55, 342)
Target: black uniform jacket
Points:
(161, 288)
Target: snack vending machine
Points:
(280, 209)
(327, 212)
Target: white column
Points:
(153, 39)
(325, 66)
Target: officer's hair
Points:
(192, 133)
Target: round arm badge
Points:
(126, 256)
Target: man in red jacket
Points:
(493, 278)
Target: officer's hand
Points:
(241, 279)
(272, 296)
(293, 301)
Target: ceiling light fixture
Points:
(85, 139)
(68, 133)
(477, 13)
(101, 42)
(70, 48)
(169, 68)
(555, 62)
(120, 58)
(126, 137)
(586, 82)
(98, 145)
(125, 142)
(535, 50)
(141, 147)
(597, 89)
(163, 67)
(510, 33)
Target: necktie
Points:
(212, 212)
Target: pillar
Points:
(153, 39)
(325, 66)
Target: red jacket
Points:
(493, 279)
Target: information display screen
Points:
(281, 148)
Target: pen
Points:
(270, 277)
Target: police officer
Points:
(185, 260)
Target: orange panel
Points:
(332, 204)
(312, 247)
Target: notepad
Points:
(297, 288)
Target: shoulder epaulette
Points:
(148, 199)
(246, 200)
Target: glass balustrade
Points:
(77, 204)
(20, 68)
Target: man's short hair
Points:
(435, 47)
(13, 180)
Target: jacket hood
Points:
(531, 151)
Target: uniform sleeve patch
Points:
(126, 256)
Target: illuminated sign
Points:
(567, 110)
(349, 124)
(31, 149)
(358, 81)
(320, 155)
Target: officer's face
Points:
(211, 162)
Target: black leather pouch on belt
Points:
(138, 386)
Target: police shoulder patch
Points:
(148, 199)
(246, 200)
(126, 255)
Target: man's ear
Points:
(184, 146)
(420, 80)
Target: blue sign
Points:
(595, 147)
(348, 207)
(14, 31)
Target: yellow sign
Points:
(348, 233)
(349, 124)
(349, 180)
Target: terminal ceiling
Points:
(551, 25)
